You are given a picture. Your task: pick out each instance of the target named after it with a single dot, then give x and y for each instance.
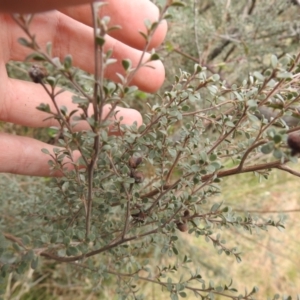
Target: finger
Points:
(23, 156)
(70, 36)
(130, 16)
(33, 6)
(19, 100)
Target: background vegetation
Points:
(236, 40)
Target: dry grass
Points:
(270, 260)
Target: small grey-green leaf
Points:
(277, 153)
(274, 61)
(35, 56)
(26, 240)
(68, 61)
(283, 75)
(145, 36)
(72, 251)
(174, 296)
(197, 68)
(259, 76)
(175, 250)
(45, 151)
(252, 103)
(24, 42)
(49, 48)
(154, 56)
(100, 40)
(179, 4)
(277, 139)
(34, 263)
(267, 148)
(126, 63)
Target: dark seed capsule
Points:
(134, 162)
(186, 213)
(37, 73)
(139, 217)
(293, 142)
(138, 176)
(182, 226)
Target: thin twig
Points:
(220, 174)
(98, 103)
(196, 29)
(207, 109)
(223, 137)
(176, 160)
(288, 169)
(146, 47)
(240, 167)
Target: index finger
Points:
(70, 36)
(130, 15)
(33, 6)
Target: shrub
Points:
(129, 196)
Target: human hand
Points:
(70, 31)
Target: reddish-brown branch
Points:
(224, 173)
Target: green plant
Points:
(132, 192)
